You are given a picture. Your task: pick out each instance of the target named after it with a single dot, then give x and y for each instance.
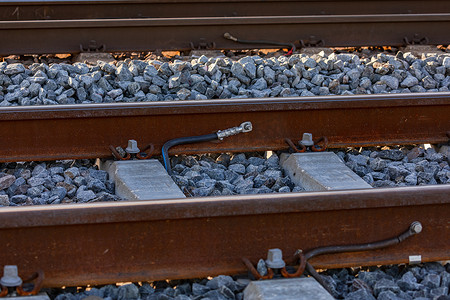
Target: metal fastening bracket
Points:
(312, 42)
(132, 151)
(244, 127)
(11, 279)
(93, 47)
(203, 44)
(416, 40)
(307, 144)
(275, 262)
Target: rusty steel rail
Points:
(107, 9)
(184, 238)
(144, 34)
(87, 131)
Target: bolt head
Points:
(246, 126)
(132, 147)
(10, 276)
(275, 259)
(416, 227)
(307, 140)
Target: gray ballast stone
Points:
(6, 180)
(286, 289)
(221, 77)
(142, 180)
(321, 171)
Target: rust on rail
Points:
(87, 131)
(117, 25)
(126, 34)
(104, 9)
(151, 240)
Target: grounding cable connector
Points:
(275, 260)
(219, 135)
(244, 127)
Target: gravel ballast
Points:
(67, 181)
(80, 181)
(401, 166)
(429, 281)
(222, 78)
(38, 183)
(212, 175)
(226, 174)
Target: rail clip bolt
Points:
(275, 259)
(10, 276)
(132, 147)
(307, 140)
(416, 227)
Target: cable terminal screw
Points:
(244, 127)
(416, 227)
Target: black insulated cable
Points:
(181, 141)
(414, 228)
(219, 135)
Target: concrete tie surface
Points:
(321, 171)
(286, 289)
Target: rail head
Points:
(224, 206)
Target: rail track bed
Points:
(81, 181)
(160, 229)
(352, 283)
(64, 111)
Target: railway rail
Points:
(73, 26)
(87, 131)
(151, 240)
(144, 34)
(107, 9)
